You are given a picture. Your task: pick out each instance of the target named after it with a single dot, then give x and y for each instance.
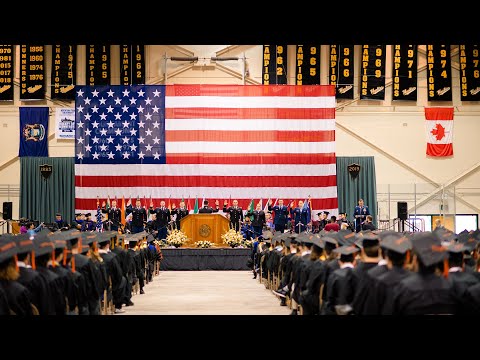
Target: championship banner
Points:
(63, 72)
(65, 123)
(32, 72)
(307, 65)
(341, 70)
(274, 70)
(98, 65)
(439, 73)
(372, 83)
(6, 72)
(404, 72)
(132, 64)
(469, 73)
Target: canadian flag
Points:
(439, 127)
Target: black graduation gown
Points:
(339, 290)
(472, 299)
(131, 266)
(68, 285)
(363, 301)
(460, 281)
(310, 297)
(138, 268)
(57, 294)
(39, 290)
(385, 285)
(114, 273)
(122, 258)
(330, 267)
(424, 294)
(18, 297)
(86, 267)
(4, 307)
(286, 264)
(80, 289)
(295, 260)
(301, 277)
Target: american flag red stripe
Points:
(223, 141)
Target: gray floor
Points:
(206, 293)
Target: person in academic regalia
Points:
(4, 307)
(139, 216)
(29, 277)
(114, 274)
(281, 213)
(457, 277)
(331, 264)
(258, 220)
(340, 291)
(426, 291)
(60, 224)
(18, 296)
(322, 220)
(300, 216)
(88, 224)
(77, 223)
(310, 296)
(180, 213)
(471, 300)
(44, 249)
(368, 224)
(136, 266)
(236, 214)
(300, 271)
(370, 258)
(163, 218)
(64, 272)
(114, 215)
(247, 229)
(125, 264)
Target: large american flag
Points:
(208, 141)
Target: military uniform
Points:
(258, 221)
(360, 213)
(301, 217)
(114, 215)
(163, 219)
(280, 219)
(139, 217)
(180, 214)
(236, 216)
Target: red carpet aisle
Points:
(206, 293)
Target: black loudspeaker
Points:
(402, 210)
(7, 210)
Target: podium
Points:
(205, 227)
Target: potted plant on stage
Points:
(204, 244)
(232, 238)
(176, 238)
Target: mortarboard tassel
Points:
(65, 252)
(53, 258)
(15, 257)
(445, 268)
(34, 266)
(73, 263)
(407, 257)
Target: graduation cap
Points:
(428, 248)
(342, 213)
(305, 238)
(24, 243)
(346, 250)
(88, 214)
(345, 237)
(288, 241)
(292, 237)
(78, 214)
(330, 243)
(367, 240)
(318, 241)
(43, 245)
(8, 248)
(89, 237)
(323, 212)
(457, 248)
(469, 242)
(396, 242)
(58, 240)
